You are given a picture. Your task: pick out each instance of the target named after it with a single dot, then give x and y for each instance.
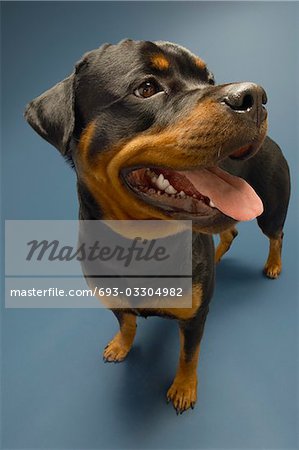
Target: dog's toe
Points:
(115, 351)
(272, 270)
(182, 395)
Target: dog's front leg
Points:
(121, 344)
(183, 391)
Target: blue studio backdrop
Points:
(56, 392)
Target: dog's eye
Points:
(147, 89)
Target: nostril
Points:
(247, 103)
(237, 102)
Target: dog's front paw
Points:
(116, 350)
(272, 270)
(182, 394)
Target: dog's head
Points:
(145, 127)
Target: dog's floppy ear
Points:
(52, 114)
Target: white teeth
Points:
(165, 184)
(160, 182)
(182, 194)
(211, 204)
(170, 190)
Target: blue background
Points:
(56, 391)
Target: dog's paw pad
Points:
(272, 271)
(115, 352)
(182, 395)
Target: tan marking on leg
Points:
(183, 391)
(226, 239)
(121, 344)
(273, 265)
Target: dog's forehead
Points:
(128, 57)
(180, 55)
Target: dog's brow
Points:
(159, 61)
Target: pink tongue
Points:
(231, 195)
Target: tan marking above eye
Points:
(200, 63)
(160, 62)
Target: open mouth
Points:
(168, 189)
(198, 192)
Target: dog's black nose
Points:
(247, 98)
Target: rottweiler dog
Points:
(151, 136)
